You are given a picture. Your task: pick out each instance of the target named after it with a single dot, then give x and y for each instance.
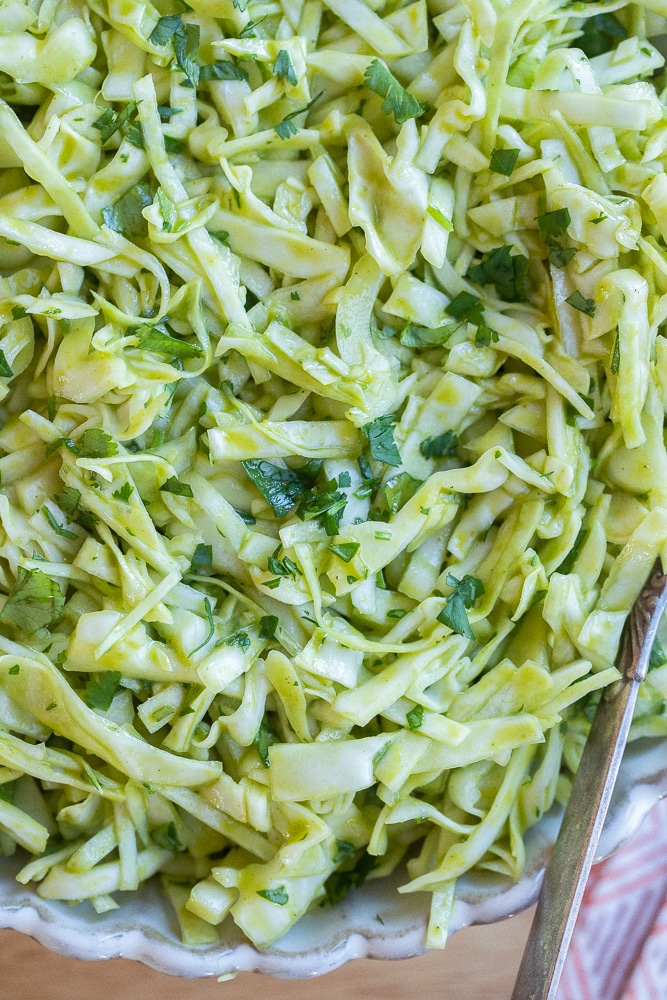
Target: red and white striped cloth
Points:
(619, 947)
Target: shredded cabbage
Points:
(333, 375)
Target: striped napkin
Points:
(619, 946)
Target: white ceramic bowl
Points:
(372, 922)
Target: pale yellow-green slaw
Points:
(333, 375)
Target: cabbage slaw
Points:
(333, 387)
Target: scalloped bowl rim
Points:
(373, 922)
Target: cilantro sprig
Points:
(282, 487)
(286, 127)
(380, 435)
(110, 121)
(507, 272)
(455, 612)
(397, 100)
(34, 602)
(184, 38)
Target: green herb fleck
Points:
(503, 161)
(284, 68)
(616, 356)
(554, 223)
(276, 895)
(381, 442)
(211, 627)
(166, 836)
(507, 272)
(110, 121)
(123, 493)
(34, 601)
(101, 688)
(441, 446)
(264, 738)
(202, 559)
(6, 370)
(415, 717)
(124, 216)
(397, 101)
(465, 593)
(175, 486)
(55, 526)
(578, 301)
(267, 626)
(224, 69)
(345, 550)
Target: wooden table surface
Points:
(479, 963)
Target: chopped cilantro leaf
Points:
(554, 223)
(110, 121)
(284, 68)
(223, 69)
(381, 442)
(276, 895)
(123, 493)
(135, 136)
(600, 34)
(166, 836)
(175, 486)
(325, 503)
(507, 272)
(202, 559)
(465, 306)
(185, 42)
(344, 849)
(245, 516)
(578, 301)
(18, 312)
(345, 550)
(464, 595)
(485, 336)
(415, 717)
(658, 658)
(397, 490)
(264, 738)
(267, 626)
(156, 338)
(6, 370)
(503, 161)
(166, 113)
(101, 688)
(34, 601)
(440, 446)
(397, 101)
(560, 256)
(280, 486)
(340, 882)
(68, 500)
(421, 336)
(240, 639)
(124, 216)
(286, 127)
(95, 443)
(616, 356)
(165, 29)
(282, 567)
(55, 526)
(211, 627)
(249, 30)
(167, 210)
